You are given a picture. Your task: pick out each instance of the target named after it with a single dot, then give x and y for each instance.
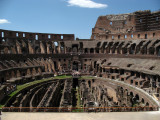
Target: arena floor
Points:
(82, 116)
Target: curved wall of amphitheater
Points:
(123, 53)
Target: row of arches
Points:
(17, 73)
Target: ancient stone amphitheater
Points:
(117, 69)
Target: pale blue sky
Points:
(64, 16)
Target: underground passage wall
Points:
(56, 95)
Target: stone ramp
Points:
(82, 116)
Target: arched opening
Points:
(137, 97)
(62, 47)
(75, 66)
(74, 48)
(147, 104)
(91, 50)
(158, 51)
(24, 50)
(95, 64)
(151, 50)
(142, 100)
(81, 45)
(131, 94)
(55, 64)
(132, 48)
(37, 49)
(85, 50)
(2, 80)
(97, 50)
(89, 83)
(64, 67)
(70, 50)
(23, 74)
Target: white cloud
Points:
(2, 21)
(86, 4)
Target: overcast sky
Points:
(64, 16)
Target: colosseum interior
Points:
(117, 69)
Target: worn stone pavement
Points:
(155, 115)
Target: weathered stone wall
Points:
(125, 47)
(137, 25)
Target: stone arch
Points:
(137, 97)
(13, 74)
(103, 48)
(55, 64)
(6, 50)
(158, 50)
(37, 49)
(2, 80)
(75, 48)
(114, 47)
(50, 49)
(64, 66)
(75, 65)
(28, 72)
(92, 50)
(142, 101)
(132, 48)
(49, 66)
(89, 83)
(69, 50)
(131, 93)
(18, 74)
(34, 71)
(147, 104)
(126, 91)
(24, 50)
(151, 50)
(43, 62)
(39, 70)
(86, 50)
(13, 50)
(97, 50)
(52, 64)
(7, 75)
(98, 44)
(121, 88)
(138, 47)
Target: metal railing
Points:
(79, 109)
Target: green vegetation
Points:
(77, 110)
(1, 106)
(78, 105)
(62, 77)
(78, 97)
(87, 77)
(21, 87)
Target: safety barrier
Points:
(78, 109)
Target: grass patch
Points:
(1, 106)
(77, 110)
(62, 77)
(87, 77)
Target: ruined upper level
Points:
(140, 24)
(18, 35)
